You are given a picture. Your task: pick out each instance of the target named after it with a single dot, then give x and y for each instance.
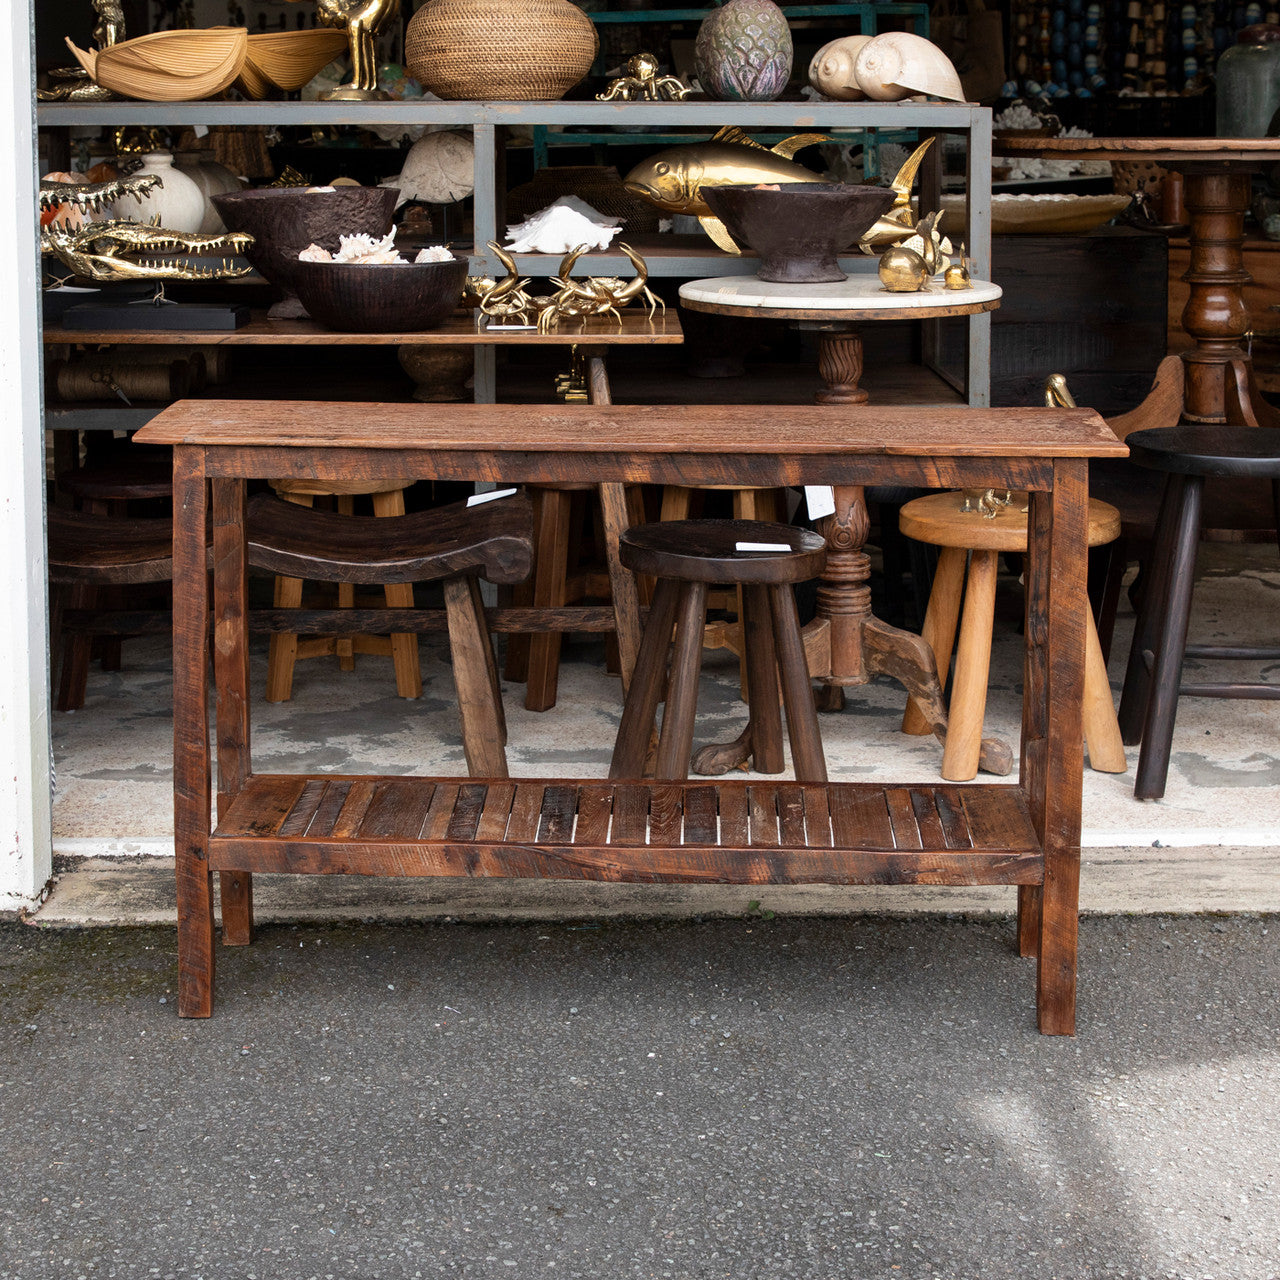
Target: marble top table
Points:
(837, 308)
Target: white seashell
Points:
(561, 227)
(831, 69)
(898, 64)
(314, 253)
(439, 169)
(436, 253)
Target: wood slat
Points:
(440, 813)
(396, 811)
(356, 805)
(762, 810)
(559, 807)
(467, 809)
(701, 808)
(817, 818)
(526, 810)
(997, 819)
(859, 819)
(497, 810)
(666, 813)
(902, 818)
(928, 821)
(955, 825)
(273, 803)
(336, 791)
(302, 813)
(595, 806)
(791, 816)
(630, 816)
(733, 818)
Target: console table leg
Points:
(840, 364)
(191, 786)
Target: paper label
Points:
(492, 496)
(200, 130)
(762, 546)
(821, 500)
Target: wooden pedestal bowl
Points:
(799, 229)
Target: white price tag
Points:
(762, 546)
(492, 496)
(821, 500)
(200, 130)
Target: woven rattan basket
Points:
(500, 49)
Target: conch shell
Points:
(831, 70)
(899, 64)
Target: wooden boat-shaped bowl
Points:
(286, 60)
(168, 66)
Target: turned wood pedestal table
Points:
(1218, 382)
(743, 832)
(854, 645)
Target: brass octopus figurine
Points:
(642, 83)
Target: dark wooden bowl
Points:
(285, 220)
(386, 299)
(800, 229)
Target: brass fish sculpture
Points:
(673, 179)
(899, 223)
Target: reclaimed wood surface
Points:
(756, 832)
(1172, 151)
(732, 430)
(636, 329)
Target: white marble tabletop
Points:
(859, 297)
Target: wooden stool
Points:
(940, 519)
(286, 648)
(1153, 681)
(685, 556)
(88, 552)
(454, 545)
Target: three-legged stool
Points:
(943, 520)
(1153, 680)
(686, 556)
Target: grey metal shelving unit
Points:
(685, 258)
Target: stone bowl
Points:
(800, 229)
(405, 298)
(285, 220)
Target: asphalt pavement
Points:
(752, 1097)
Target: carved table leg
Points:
(840, 364)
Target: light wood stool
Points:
(941, 520)
(288, 648)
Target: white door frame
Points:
(25, 822)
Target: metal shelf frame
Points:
(488, 122)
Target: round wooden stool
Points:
(286, 648)
(686, 556)
(1153, 681)
(940, 519)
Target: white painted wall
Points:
(24, 681)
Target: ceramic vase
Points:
(213, 179)
(178, 201)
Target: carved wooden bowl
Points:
(383, 299)
(800, 229)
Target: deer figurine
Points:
(363, 20)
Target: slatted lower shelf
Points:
(714, 832)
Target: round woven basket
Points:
(499, 49)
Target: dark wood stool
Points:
(455, 546)
(686, 556)
(89, 552)
(1152, 685)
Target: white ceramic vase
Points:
(213, 179)
(178, 200)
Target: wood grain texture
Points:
(660, 831)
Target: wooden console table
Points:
(1026, 834)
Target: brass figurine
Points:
(899, 223)
(988, 504)
(1056, 393)
(94, 197)
(642, 83)
(956, 275)
(508, 300)
(109, 251)
(74, 83)
(673, 179)
(902, 270)
(363, 21)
